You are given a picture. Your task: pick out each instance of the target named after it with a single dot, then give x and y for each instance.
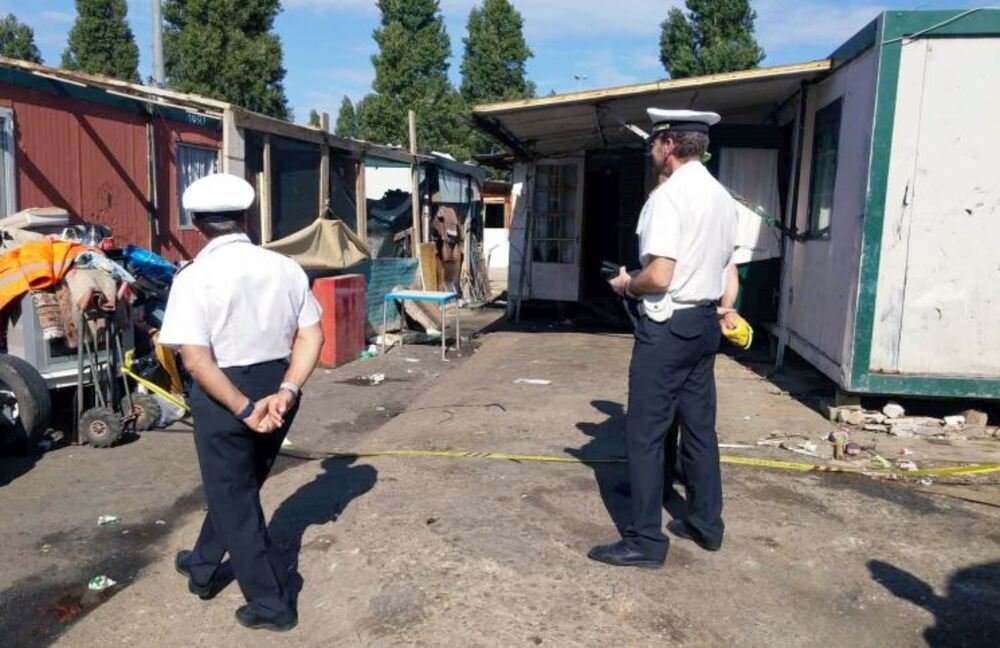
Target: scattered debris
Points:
(104, 520)
(100, 583)
(411, 360)
(852, 449)
(532, 381)
(906, 452)
(957, 421)
(875, 417)
(45, 445)
(379, 408)
(893, 410)
(807, 448)
(160, 522)
(735, 446)
(839, 438)
(431, 520)
(46, 548)
(853, 417)
(925, 481)
(875, 427)
(881, 461)
(976, 418)
(906, 464)
(368, 380)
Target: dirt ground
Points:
(422, 551)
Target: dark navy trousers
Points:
(235, 462)
(673, 373)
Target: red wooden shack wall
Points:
(92, 160)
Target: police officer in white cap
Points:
(248, 331)
(687, 233)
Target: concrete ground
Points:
(477, 552)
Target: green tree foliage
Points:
(715, 36)
(17, 40)
(226, 49)
(314, 118)
(411, 73)
(493, 67)
(347, 119)
(101, 41)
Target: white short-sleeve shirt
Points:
(692, 219)
(244, 302)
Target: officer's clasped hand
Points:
(267, 415)
(620, 283)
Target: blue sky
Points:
(328, 43)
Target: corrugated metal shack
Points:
(121, 154)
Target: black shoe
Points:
(682, 529)
(204, 592)
(620, 554)
(250, 619)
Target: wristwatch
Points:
(292, 388)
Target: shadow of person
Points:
(319, 502)
(16, 462)
(965, 616)
(608, 440)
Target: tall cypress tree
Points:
(17, 40)
(101, 41)
(226, 49)
(715, 36)
(347, 119)
(314, 118)
(493, 67)
(411, 73)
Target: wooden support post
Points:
(361, 200)
(324, 169)
(265, 194)
(415, 241)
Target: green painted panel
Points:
(940, 386)
(896, 24)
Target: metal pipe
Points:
(159, 70)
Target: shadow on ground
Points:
(608, 440)
(319, 502)
(965, 616)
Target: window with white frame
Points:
(8, 182)
(823, 180)
(193, 162)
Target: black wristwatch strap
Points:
(246, 411)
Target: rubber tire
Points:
(34, 402)
(149, 411)
(101, 427)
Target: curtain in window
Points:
(193, 162)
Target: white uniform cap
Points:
(218, 192)
(682, 120)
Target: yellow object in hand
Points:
(741, 336)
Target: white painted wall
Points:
(823, 277)
(520, 200)
(938, 301)
(496, 249)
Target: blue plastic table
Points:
(439, 298)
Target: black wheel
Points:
(25, 404)
(146, 410)
(101, 427)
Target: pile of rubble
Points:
(892, 420)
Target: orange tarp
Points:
(35, 265)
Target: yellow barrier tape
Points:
(796, 466)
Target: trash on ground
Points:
(906, 452)
(104, 520)
(160, 522)
(368, 379)
(532, 381)
(925, 481)
(976, 418)
(852, 449)
(875, 427)
(875, 417)
(411, 360)
(839, 438)
(100, 583)
(735, 446)
(893, 410)
(906, 464)
(807, 448)
(853, 417)
(956, 421)
(286, 442)
(881, 461)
